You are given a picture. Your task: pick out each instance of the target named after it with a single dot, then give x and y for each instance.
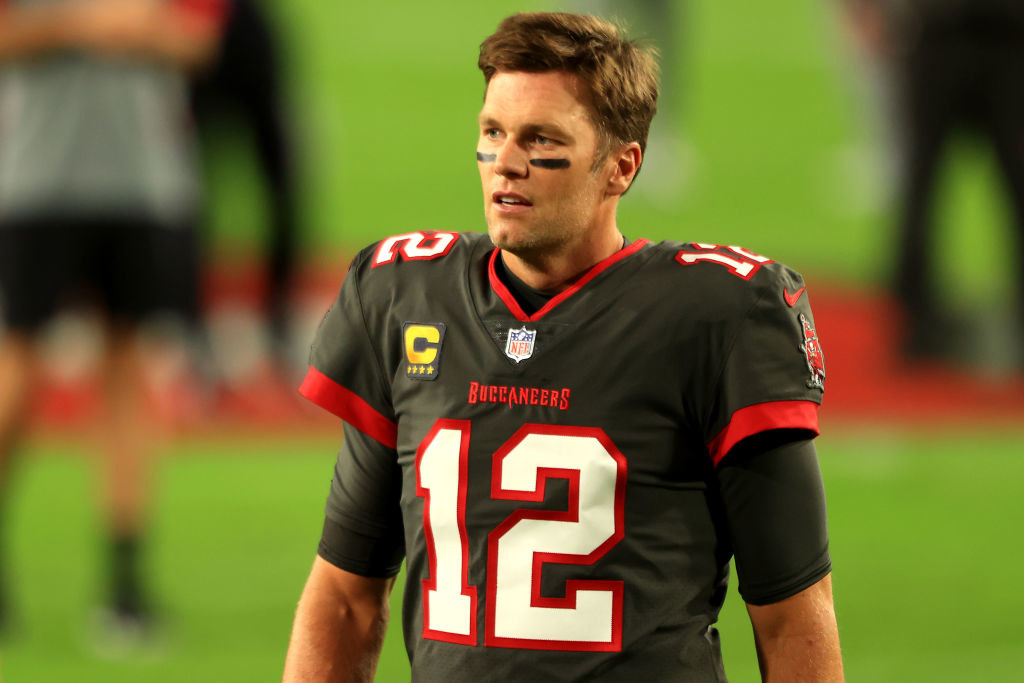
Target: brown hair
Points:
(621, 75)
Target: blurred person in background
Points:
(244, 86)
(874, 157)
(957, 69)
(98, 199)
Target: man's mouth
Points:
(510, 199)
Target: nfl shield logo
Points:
(519, 346)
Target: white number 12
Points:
(589, 616)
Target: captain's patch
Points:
(422, 344)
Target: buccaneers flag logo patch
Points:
(811, 348)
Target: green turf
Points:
(235, 531)
(927, 567)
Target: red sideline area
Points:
(266, 402)
(867, 381)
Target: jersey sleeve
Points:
(774, 500)
(345, 373)
(363, 530)
(773, 372)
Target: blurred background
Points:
(784, 129)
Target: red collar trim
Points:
(513, 306)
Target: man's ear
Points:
(627, 162)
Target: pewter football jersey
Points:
(557, 493)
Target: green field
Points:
(926, 569)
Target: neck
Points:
(556, 270)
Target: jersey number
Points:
(414, 246)
(739, 262)
(589, 616)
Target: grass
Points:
(235, 530)
(926, 563)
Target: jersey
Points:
(550, 473)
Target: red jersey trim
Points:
(328, 394)
(762, 417)
(513, 306)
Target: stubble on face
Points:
(556, 227)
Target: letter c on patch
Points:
(422, 343)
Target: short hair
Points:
(621, 75)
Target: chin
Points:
(519, 239)
(506, 237)
(510, 241)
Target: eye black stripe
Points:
(550, 163)
(480, 156)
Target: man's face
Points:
(536, 150)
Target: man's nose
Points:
(510, 160)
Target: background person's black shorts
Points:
(131, 268)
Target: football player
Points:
(564, 433)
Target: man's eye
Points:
(544, 140)
(491, 133)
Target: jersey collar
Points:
(517, 311)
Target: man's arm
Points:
(774, 499)
(339, 626)
(155, 29)
(797, 638)
(35, 28)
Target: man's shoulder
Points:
(418, 252)
(702, 275)
(405, 268)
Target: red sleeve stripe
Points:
(328, 394)
(762, 417)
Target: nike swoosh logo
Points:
(791, 299)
